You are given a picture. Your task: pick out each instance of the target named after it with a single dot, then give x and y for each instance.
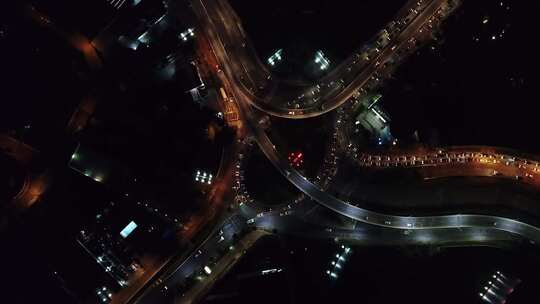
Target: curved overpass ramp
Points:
(424, 223)
(228, 41)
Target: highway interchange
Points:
(339, 85)
(256, 94)
(231, 67)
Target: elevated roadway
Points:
(425, 223)
(380, 227)
(230, 45)
(459, 161)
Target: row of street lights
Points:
(337, 265)
(203, 177)
(190, 32)
(276, 57)
(496, 291)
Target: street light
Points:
(190, 32)
(276, 57)
(203, 177)
(321, 59)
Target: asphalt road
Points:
(372, 235)
(459, 161)
(428, 224)
(167, 287)
(230, 45)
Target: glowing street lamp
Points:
(190, 32)
(321, 59)
(276, 57)
(203, 177)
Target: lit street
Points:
(222, 151)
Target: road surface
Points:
(428, 224)
(224, 31)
